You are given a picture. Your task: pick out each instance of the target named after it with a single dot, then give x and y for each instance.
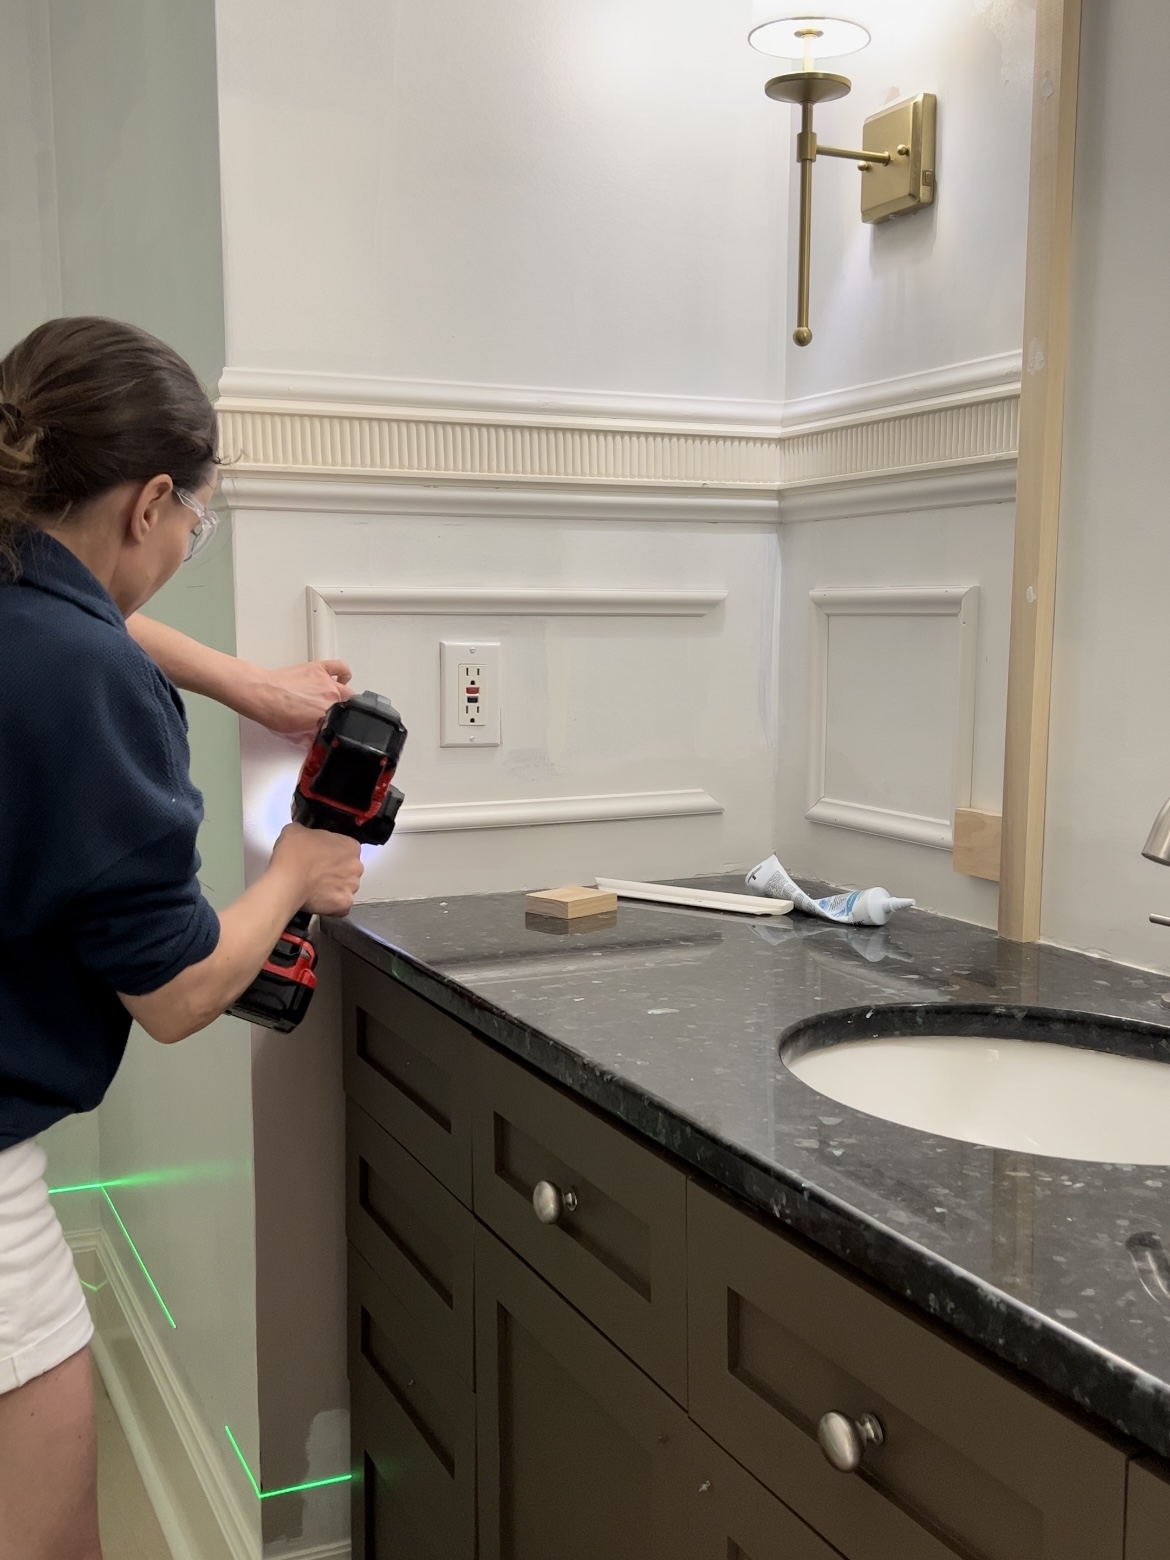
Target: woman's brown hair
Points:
(85, 405)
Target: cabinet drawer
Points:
(619, 1254)
(972, 1464)
(409, 1066)
(1147, 1528)
(413, 1433)
(415, 1236)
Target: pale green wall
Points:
(136, 164)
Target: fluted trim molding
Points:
(967, 420)
(404, 442)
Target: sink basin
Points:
(1066, 1085)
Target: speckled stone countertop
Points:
(670, 1021)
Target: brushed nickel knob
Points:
(551, 1204)
(843, 1440)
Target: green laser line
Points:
(138, 1258)
(289, 1489)
(89, 1186)
(243, 1462)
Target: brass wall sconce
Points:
(896, 159)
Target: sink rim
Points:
(1078, 1029)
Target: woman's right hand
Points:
(330, 867)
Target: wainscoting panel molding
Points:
(958, 602)
(325, 602)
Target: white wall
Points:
(896, 728)
(1109, 769)
(945, 285)
(503, 192)
(903, 313)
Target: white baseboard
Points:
(201, 1514)
(338, 1551)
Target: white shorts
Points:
(43, 1316)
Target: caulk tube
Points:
(863, 907)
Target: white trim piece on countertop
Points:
(958, 601)
(326, 602)
(542, 811)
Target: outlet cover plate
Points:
(458, 727)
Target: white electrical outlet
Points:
(469, 694)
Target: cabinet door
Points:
(618, 1251)
(412, 1423)
(1147, 1529)
(972, 1464)
(714, 1510)
(572, 1438)
(408, 1065)
(414, 1234)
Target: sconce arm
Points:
(869, 157)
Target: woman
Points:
(107, 465)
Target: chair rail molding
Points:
(326, 442)
(958, 601)
(539, 811)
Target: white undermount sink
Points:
(1002, 1089)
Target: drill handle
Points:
(300, 924)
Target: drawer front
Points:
(413, 1433)
(408, 1065)
(415, 1236)
(972, 1464)
(618, 1255)
(1147, 1528)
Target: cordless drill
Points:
(344, 786)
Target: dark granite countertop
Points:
(670, 1021)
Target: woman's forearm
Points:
(248, 931)
(292, 699)
(194, 667)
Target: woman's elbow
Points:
(168, 1020)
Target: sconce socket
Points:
(807, 86)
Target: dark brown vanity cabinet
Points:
(629, 1364)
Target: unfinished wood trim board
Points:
(978, 838)
(1046, 333)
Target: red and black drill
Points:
(345, 785)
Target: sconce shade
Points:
(777, 30)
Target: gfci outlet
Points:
(469, 694)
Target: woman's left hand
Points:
(293, 699)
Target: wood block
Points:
(977, 843)
(570, 902)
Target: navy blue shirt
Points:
(98, 818)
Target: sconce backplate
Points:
(906, 182)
